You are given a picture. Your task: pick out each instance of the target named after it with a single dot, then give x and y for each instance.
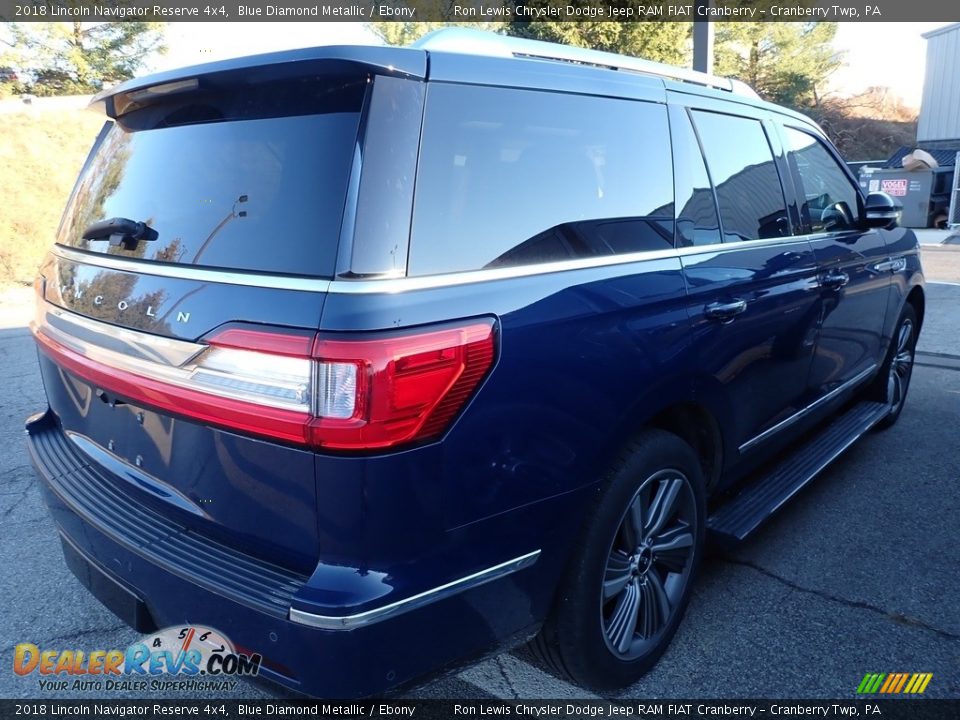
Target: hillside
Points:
(41, 152)
(868, 126)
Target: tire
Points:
(616, 612)
(893, 380)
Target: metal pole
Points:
(953, 215)
(702, 39)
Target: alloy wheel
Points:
(648, 564)
(901, 367)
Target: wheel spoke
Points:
(650, 609)
(902, 362)
(617, 574)
(663, 505)
(672, 548)
(906, 333)
(661, 601)
(623, 624)
(633, 523)
(678, 537)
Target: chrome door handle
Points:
(725, 311)
(893, 265)
(835, 279)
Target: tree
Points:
(78, 57)
(786, 63)
(666, 42)
(404, 33)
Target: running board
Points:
(738, 517)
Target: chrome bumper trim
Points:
(385, 612)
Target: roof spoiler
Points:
(255, 69)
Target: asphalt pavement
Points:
(859, 573)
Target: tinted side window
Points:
(697, 222)
(516, 177)
(742, 168)
(830, 200)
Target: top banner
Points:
(481, 10)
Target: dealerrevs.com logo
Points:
(189, 657)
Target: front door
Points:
(853, 280)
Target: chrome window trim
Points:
(424, 282)
(391, 610)
(186, 272)
(391, 284)
(804, 412)
(734, 246)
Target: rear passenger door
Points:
(853, 289)
(552, 211)
(752, 285)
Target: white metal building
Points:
(939, 124)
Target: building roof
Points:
(944, 158)
(942, 30)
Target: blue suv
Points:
(380, 359)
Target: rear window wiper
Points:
(120, 230)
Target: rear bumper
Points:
(177, 576)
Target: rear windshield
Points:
(253, 179)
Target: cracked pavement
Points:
(859, 573)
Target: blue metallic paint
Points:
(586, 357)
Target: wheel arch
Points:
(918, 300)
(693, 423)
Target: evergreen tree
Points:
(667, 42)
(786, 63)
(664, 42)
(404, 33)
(73, 57)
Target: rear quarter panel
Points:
(584, 357)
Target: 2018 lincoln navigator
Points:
(379, 359)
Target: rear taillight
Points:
(380, 391)
(399, 388)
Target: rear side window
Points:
(830, 200)
(252, 179)
(697, 222)
(517, 177)
(741, 164)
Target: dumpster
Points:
(924, 193)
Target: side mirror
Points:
(882, 210)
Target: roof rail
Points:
(479, 42)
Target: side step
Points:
(737, 518)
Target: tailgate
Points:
(107, 384)
(188, 280)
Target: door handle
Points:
(725, 311)
(835, 279)
(892, 265)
